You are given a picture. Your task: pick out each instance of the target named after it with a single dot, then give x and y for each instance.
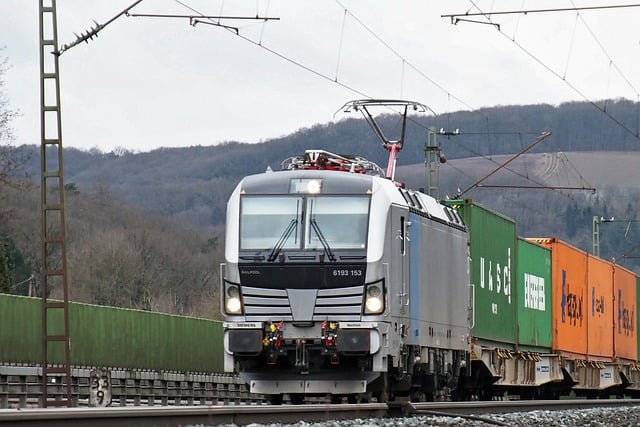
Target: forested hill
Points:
(164, 209)
(194, 182)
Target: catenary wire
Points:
(348, 87)
(612, 63)
(555, 73)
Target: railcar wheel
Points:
(275, 399)
(418, 396)
(383, 395)
(297, 399)
(336, 399)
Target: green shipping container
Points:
(533, 293)
(112, 337)
(493, 253)
(20, 333)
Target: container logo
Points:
(543, 368)
(597, 304)
(571, 303)
(534, 292)
(626, 320)
(496, 279)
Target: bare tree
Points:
(9, 161)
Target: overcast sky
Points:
(146, 83)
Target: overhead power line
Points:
(93, 32)
(539, 139)
(404, 60)
(455, 16)
(342, 84)
(612, 63)
(603, 110)
(537, 187)
(198, 19)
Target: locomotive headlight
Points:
(374, 302)
(313, 186)
(232, 302)
(305, 185)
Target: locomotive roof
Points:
(279, 182)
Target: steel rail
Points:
(504, 406)
(265, 414)
(181, 415)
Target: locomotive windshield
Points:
(298, 223)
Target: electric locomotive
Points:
(338, 281)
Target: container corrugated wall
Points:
(625, 336)
(113, 337)
(493, 244)
(533, 292)
(569, 297)
(20, 330)
(145, 340)
(600, 307)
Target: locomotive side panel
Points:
(600, 308)
(625, 312)
(396, 262)
(533, 291)
(438, 285)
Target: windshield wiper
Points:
(280, 243)
(324, 242)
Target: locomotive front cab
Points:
(300, 303)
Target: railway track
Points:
(494, 407)
(265, 414)
(187, 415)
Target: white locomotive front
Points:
(338, 281)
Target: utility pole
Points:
(596, 236)
(56, 344)
(596, 232)
(433, 157)
(431, 154)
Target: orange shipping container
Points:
(600, 307)
(568, 297)
(625, 335)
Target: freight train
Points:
(340, 281)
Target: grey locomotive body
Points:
(339, 281)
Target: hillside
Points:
(554, 195)
(146, 230)
(117, 255)
(192, 183)
(600, 170)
